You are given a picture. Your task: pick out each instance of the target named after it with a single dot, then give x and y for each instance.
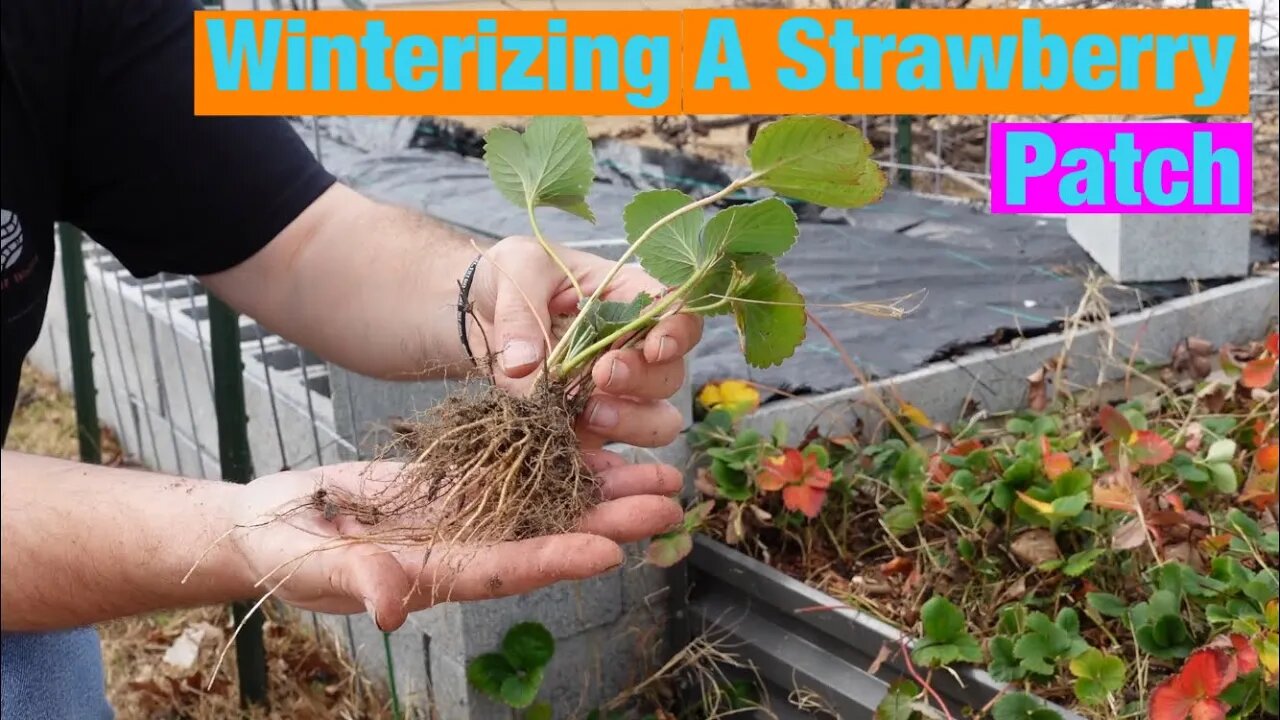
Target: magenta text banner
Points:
(1138, 167)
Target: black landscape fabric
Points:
(987, 278)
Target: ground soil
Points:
(310, 676)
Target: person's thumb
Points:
(373, 576)
(521, 319)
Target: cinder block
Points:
(1154, 248)
(565, 608)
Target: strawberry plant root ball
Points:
(489, 467)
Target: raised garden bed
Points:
(1097, 549)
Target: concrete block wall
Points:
(154, 381)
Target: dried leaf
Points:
(703, 483)
(1037, 391)
(734, 531)
(1035, 547)
(1130, 535)
(1114, 423)
(1116, 491)
(886, 652)
(1195, 437)
(1260, 491)
(897, 566)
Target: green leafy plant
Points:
(945, 637)
(724, 264)
(1098, 676)
(514, 674)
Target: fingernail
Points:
(666, 348)
(518, 353)
(373, 612)
(602, 415)
(618, 373)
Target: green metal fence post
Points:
(74, 285)
(237, 466)
(1201, 5)
(902, 130)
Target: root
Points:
(482, 467)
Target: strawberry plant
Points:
(513, 675)
(523, 473)
(1121, 559)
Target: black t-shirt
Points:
(97, 129)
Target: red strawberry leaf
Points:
(1114, 423)
(1193, 692)
(1246, 654)
(804, 498)
(1149, 448)
(782, 470)
(1273, 344)
(1258, 373)
(1268, 457)
(1260, 491)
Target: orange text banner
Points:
(616, 62)
(968, 62)
(435, 62)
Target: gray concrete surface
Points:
(1154, 248)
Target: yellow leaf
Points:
(733, 396)
(916, 415)
(1273, 614)
(1269, 654)
(1039, 506)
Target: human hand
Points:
(518, 289)
(322, 563)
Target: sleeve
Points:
(162, 189)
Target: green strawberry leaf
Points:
(817, 159)
(673, 252)
(770, 316)
(1004, 666)
(609, 316)
(539, 711)
(1098, 675)
(942, 620)
(520, 691)
(1021, 706)
(487, 673)
(549, 165)
(528, 646)
(765, 227)
(669, 548)
(898, 701)
(1107, 604)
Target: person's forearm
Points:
(370, 287)
(84, 543)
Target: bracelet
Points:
(464, 305)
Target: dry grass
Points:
(309, 674)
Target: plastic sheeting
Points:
(988, 278)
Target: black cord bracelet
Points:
(464, 306)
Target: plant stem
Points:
(561, 347)
(586, 354)
(546, 246)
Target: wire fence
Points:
(193, 388)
